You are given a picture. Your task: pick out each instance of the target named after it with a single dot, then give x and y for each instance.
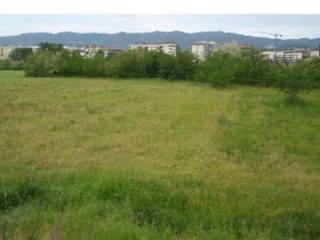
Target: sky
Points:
(291, 26)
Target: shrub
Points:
(297, 79)
(98, 66)
(20, 54)
(128, 65)
(42, 64)
(70, 63)
(252, 69)
(9, 64)
(218, 69)
(51, 47)
(185, 66)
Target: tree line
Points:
(229, 65)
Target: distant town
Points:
(201, 49)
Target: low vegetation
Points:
(228, 66)
(85, 158)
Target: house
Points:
(203, 49)
(170, 48)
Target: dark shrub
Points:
(42, 64)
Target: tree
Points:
(297, 78)
(70, 63)
(167, 66)
(51, 47)
(252, 69)
(128, 64)
(20, 54)
(185, 66)
(98, 66)
(151, 63)
(232, 48)
(219, 69)
(42, 64)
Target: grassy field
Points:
(151, 159)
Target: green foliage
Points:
(42, 64)
(98, 66)
(128, 65)
(252, 69)
(69, 63)
(245, 67)
(9, 64)
(20, 54)
(298, 78)
(185, 66)
(51, 47)
(219, 69)
(227, 66)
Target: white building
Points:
(168, 48)
(203, 49)
(315, 53)
(5, 50)
(288, 56)
(91, 50)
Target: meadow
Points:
(94, 158)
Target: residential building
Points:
(315, 53)
(288, 56)
(170, 48)
(91, 50)
(5, 50)
(203, 49)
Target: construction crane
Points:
(275, 47)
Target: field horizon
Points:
(94, 158)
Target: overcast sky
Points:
(291, 26)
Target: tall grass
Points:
(134, 159)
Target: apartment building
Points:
(203, 49)
(170, 48)
(290, 56)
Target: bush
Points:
(218, 69)
(297, 79)
(42, 64)
(51, 47)
(245, 67)
(185, 66)
(226, 66)
(69, 63)
(9, 64)
(20, 54)
(98, 66)
(128, 65)
(252, 69)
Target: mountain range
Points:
(123, 39)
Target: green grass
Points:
(150, 159)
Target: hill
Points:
(123, 39)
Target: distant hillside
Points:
(123, 39)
